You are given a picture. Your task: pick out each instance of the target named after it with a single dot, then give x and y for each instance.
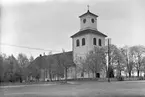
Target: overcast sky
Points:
(48, 24)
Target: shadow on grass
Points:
(33, 95)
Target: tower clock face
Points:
(84, 20)
(92, 20)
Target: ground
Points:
(77, 89)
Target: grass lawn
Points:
(78, 89)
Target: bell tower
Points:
(87, 37)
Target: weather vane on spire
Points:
(88, 6)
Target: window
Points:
(94, 41)
(84, 20)
(92, 20)
(77, 43)
(83, 41)
(100, 42)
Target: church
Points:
(83, 42)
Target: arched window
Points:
(92, 20)
(83, 41)
(100, 42)
(84, 20)
(77, 43)
(94, 41)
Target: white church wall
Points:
(80, 51)
(97, 38)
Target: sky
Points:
(48, 24)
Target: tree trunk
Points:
(50, 77)
(144, 71)
(94, 74)
(129, 74)
(76, 72)
(107, 73)
(65, 74)
(120, 73)
(44, 74)
(119, 68)
(88, 74)
(137, 73)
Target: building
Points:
(83, 42)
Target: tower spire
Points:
(88, 7)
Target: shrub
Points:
(141, 78)
(120, 78)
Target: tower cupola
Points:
(88, 20)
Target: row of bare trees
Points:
(125, 60)
(135, 59)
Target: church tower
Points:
(87, 37)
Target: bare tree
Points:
(95, 60)
(23, 62)
(80, 60)
(31, 59)
(119, 60)
(66, 62)
(128, 59)
(50, 66)
(29, 70)
(137, 52)
(143, 65)
(10, 69)
(35, 68)
(59, 70)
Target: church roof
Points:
(88, 13)
(70, 53)
(42, 61)
(88, 31)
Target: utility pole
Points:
(108, 60)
